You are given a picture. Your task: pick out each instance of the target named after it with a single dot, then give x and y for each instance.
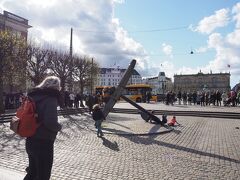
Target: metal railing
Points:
(4, 118)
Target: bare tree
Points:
(84, 72)
(60, 65)
(38, 63)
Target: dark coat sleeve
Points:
(50, 118)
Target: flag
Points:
(228, 65)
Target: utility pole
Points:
(71, 64)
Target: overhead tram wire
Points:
(158, 55)
(138, 31)
(149, 30)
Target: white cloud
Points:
(167, 49)
(95, 30)
(215, 40)
(119, 1)
(227, 52)
(201, 49)
(156, 67)
(234, 38)
(210, 23)
(236, 12)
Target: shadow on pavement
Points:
(138, 139)
(76, 125)
(154, 128)
(177, 131)
(190, 150)
(109, 144)
(7, 139)
(111, 122)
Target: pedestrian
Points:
(40, 146)
(238, 97)
(66, 99)
(76, 100)
(72, 99)
(233, 96)
(194, 97)
(179, 97)
(224, 98)
(218, 98)
(189, 98)
(98, 117)
(149, 96)
(184, 97)
(173, 121)
(90, 103)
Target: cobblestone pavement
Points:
(201, 148)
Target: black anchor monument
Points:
(146, 115)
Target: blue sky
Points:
(159, 34)
(153, 23)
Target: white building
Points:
(112, 77)
(160, 84)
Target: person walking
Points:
(76, 100)
(238, 97)
(90, 103)
(149, 96)
(72, 99)
(184, 97)
(218, 98)
(98, 117)
(179, 97)
(224, 98)
(40, 146)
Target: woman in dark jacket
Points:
(40, 146)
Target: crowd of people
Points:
(204, 98)
(75, 100)
(13, 100)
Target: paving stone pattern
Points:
(201, 148)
